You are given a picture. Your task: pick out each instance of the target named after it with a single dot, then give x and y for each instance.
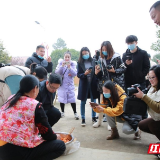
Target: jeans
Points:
(84, 102)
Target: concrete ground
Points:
(94, 145)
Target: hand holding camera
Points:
(66, 63)
(110, 68)
(139, 94)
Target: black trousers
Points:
(47, 150)
(53, 115)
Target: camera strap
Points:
(2, 81)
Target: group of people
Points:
(27, 114)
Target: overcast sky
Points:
(79, 22)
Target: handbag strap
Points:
(64, 72)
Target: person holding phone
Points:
(66, 92)
(112, 106)
(109, 67)
(88, 83)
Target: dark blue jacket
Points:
(83, 83)
(41, 62)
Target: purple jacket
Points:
(66, 92)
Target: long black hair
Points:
(27, 83)
(40, 71)
(81, 60)
(156, 70)
(114, 92)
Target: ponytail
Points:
(33, 67)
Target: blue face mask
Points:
(105, 53)
(85, 56)
(131, 46)
(40, 57)
(107, 95)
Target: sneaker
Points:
(76, 116)
(94, 119)
(83, 124)
(104, 119)
(137, 135)
(62, 115)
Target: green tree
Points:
(59, 53)
(4, 55)
(60, 44)
(156, 45)
(155, 57)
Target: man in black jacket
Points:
(37, 57)
(47, 90)
(137, 63)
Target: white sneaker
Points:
(97, 124)
(109, 127)
(76, 116)
(62, 115)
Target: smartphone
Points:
(93, 104)
(90, 68)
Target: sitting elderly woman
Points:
(152, 99)
(112, 106)
(24, 129)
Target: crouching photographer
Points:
(112, 106)
(152, 99)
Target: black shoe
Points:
(83, 124)
(94, 120)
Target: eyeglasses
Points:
(53, 88)
(151, 78)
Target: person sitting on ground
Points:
(46, 96)
(66, 92)
(10, 77)
(152, 99)
(21, 119)
(112, 106)
(38, 71)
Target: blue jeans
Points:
(83, 105)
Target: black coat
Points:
(42, 95)
(83, 83)
(132, 119)
(136, 72)
(119, 68)
(41, 62)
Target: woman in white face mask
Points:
(112, 106)
(88, 83)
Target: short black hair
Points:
(40, 46)
(55, 78)
(155, 5)
(40, 71)
(131, 38)
(149, 56)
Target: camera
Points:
(109, 67)
(3, 65)
(129, 57)
(133, 89)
